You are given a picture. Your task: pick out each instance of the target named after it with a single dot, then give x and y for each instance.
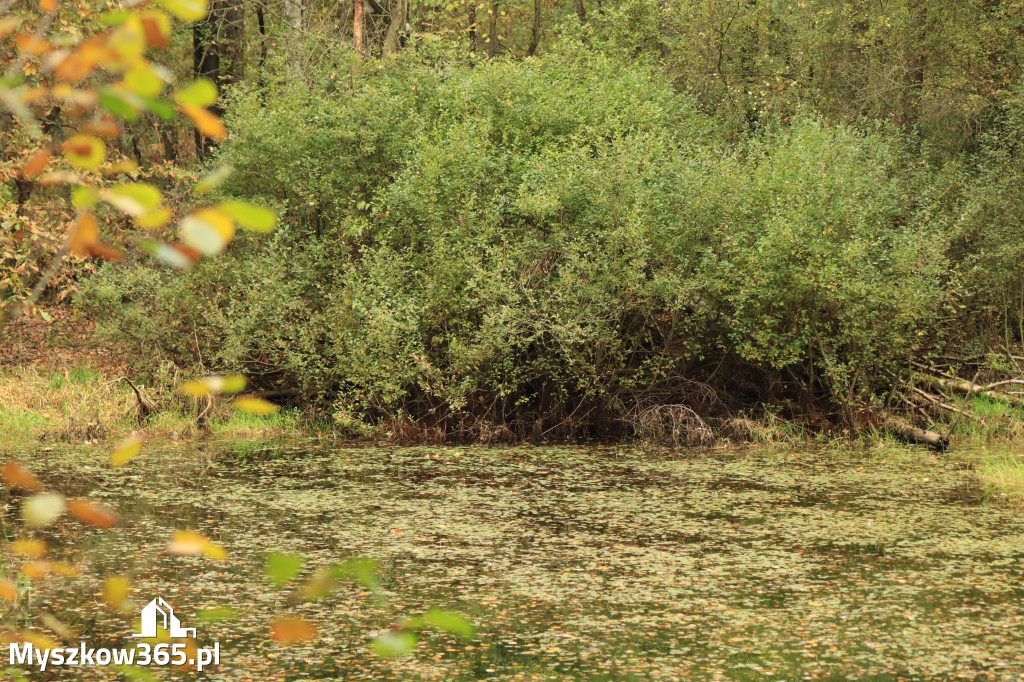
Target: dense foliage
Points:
(557, 244)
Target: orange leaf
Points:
(36, 163)
(289, 629)
(155, 36)
(8, 590)
(16, 475)
(86, 235)
(104, 127)
(105, 252)
(208, 123)
(29, 547)
(34, 570)
(47, 5)
(91, 514)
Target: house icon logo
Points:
(156, 610)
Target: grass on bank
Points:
(79, 404)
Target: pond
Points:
(592, 563)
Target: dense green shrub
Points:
(551, 245)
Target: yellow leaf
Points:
(115, 591)
(66, 570)
(187, 10)
(190, 543)
(207, 230)
(208, 123)
(7, 26)
(250, 216)
(133, 198)
(254, 405)
(16, 475)
(29, 547)
(201, 93)
(156, 218)
(40, 641)
(42, 509)
(196, 389)
(85, 151)
(126, 451)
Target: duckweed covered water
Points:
(575, 563)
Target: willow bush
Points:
(545, 246)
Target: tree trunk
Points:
(396, 24)
(357, 25)
(471, 17)
(492, 30)
(581, 11)
(535, 30)
(218, 53)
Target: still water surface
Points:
(574, 563)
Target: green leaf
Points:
(200, 92)
(118, 105)
(217, 614)
(248, 215)
(85, 197)
(213, 180)
(188, 10)
(394, 644)
(450, 622)
(133, 198)
(283, 567)
(363, 570)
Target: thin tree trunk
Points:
(218, 53)
(471, 17)
(492, 30)
(393, 39)
(581, 11)
(357, 25)
(535, 30)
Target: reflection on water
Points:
(575, 563)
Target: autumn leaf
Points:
(8, 590)
(254, 405)
(190, 543)
(207, 230)
(29, 547)
(186, 10)
(85, 235)
(85, 151)
(116, 590)
(92, 514)
(126, 451)
(16, 475)
(208, 123)
(42, 509)
(36, 163)
(289, 629)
